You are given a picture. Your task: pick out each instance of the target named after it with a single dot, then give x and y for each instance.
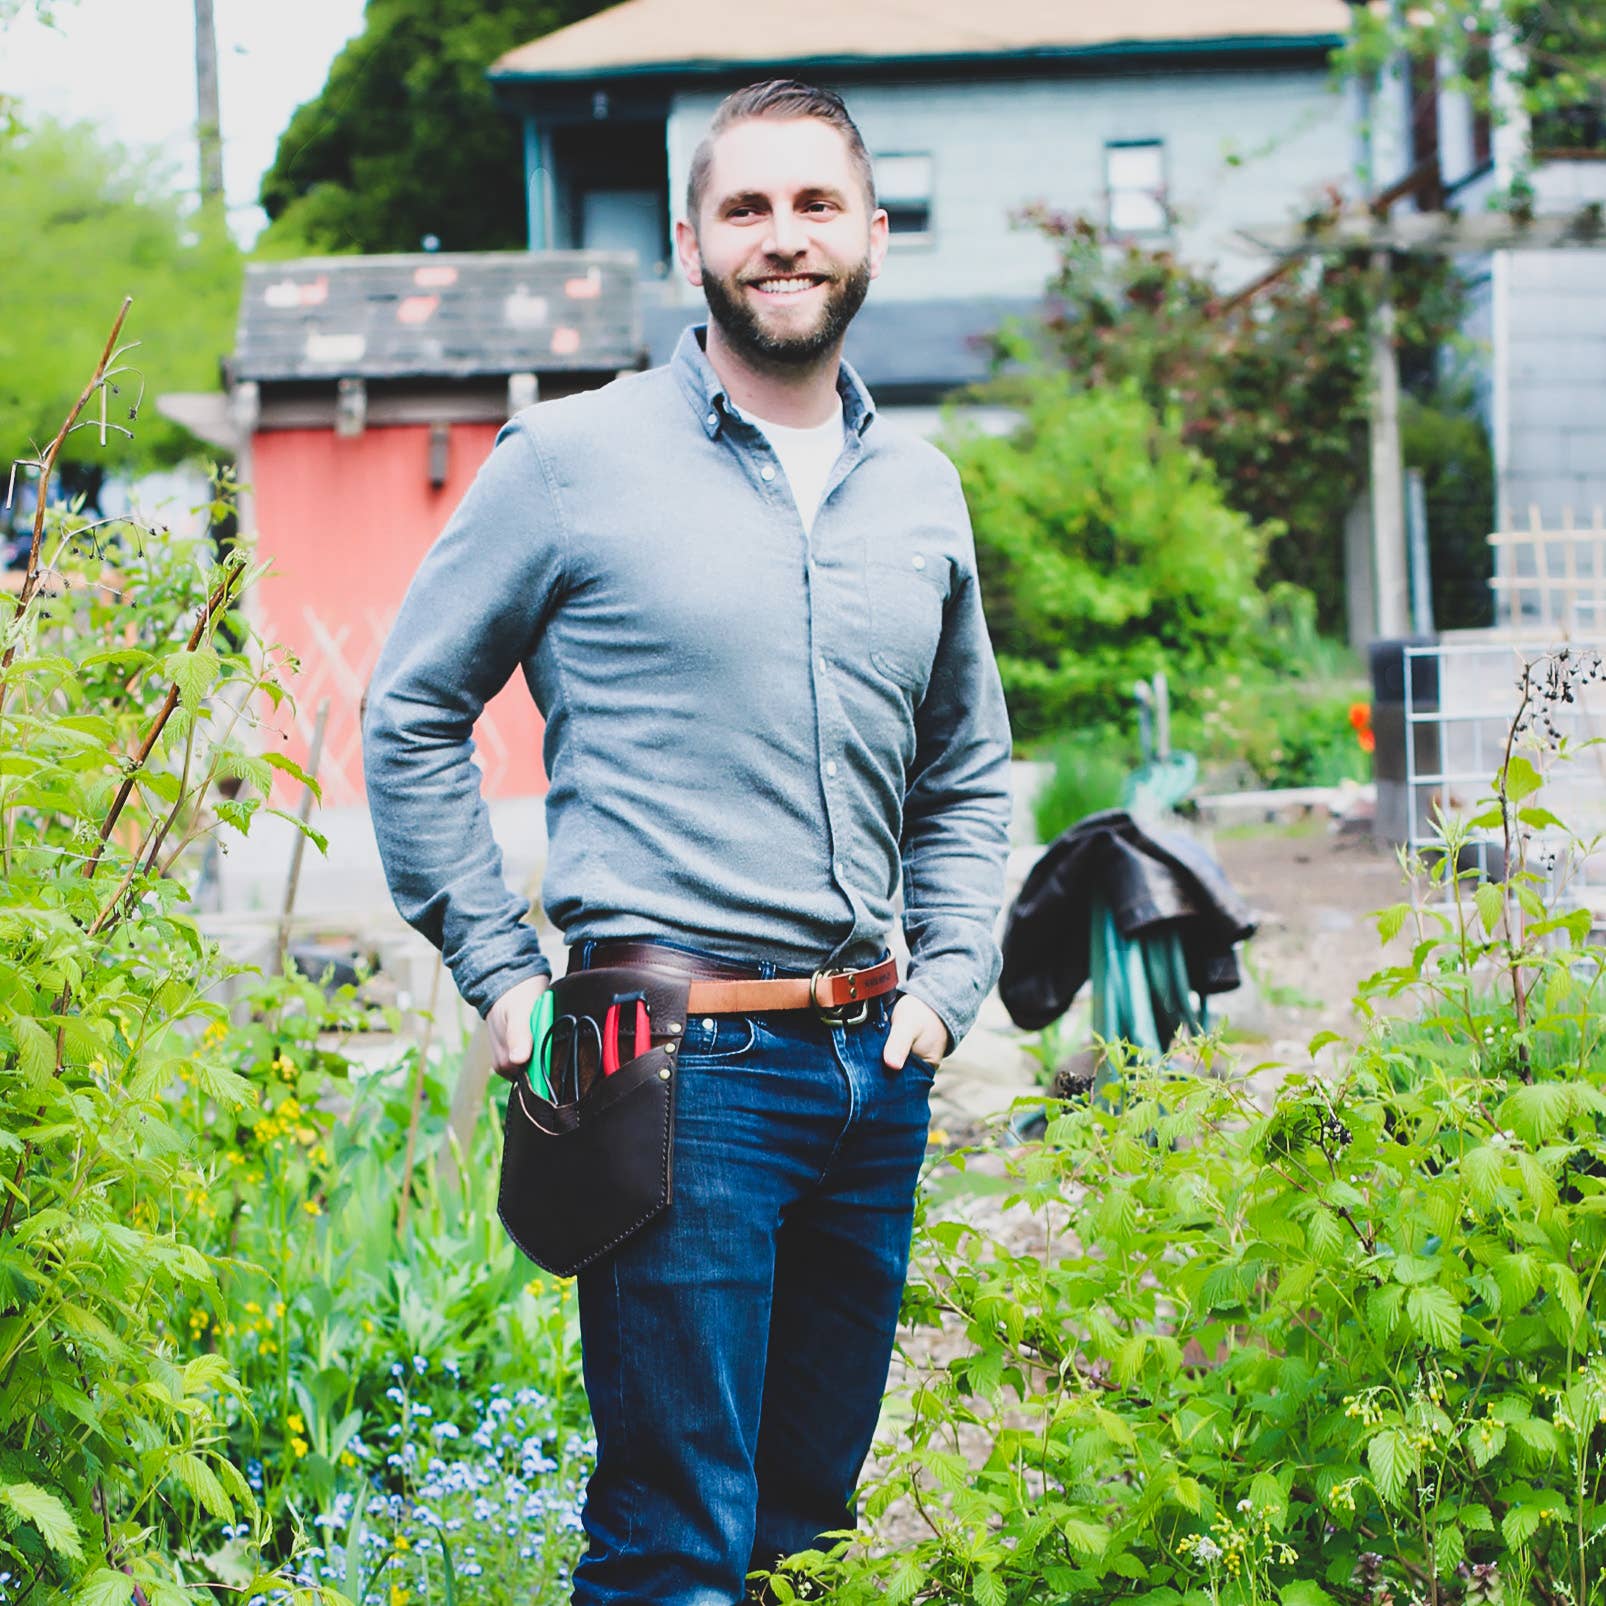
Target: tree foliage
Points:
(1272, 391)
(1106, 553)
(1557, 47)
(405, 140)
(86, 224)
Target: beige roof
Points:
(662, 33)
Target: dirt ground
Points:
(1314, 888)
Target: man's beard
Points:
(742, 326)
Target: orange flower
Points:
(1360, 718)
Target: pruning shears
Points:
(610, 1031)
(565, 1053)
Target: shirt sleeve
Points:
(473, 612)
(956, 814)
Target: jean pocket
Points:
(921, 1067)
(717, 1037)
(906, 606)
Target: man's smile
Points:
(779, 288)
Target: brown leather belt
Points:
(724, 988)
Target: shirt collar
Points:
(706, 393)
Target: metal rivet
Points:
(663, 1075)
(712, 420)
(674, 1026)
(669, 1048)
(708, 1023)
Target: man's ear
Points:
(691, 258)
(880, 229)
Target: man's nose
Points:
(786, 234)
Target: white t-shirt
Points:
(807, 456)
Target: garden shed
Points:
(363, 393)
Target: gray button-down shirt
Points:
(749, 729)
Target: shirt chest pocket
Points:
(906, 604)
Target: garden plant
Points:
(1347, 1348)
(261, 1334)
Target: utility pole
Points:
(1390, 571)
(208, 124)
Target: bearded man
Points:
(748, 612)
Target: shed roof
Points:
(712, 35)
(438, 315)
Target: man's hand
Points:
(509, 1021)
(916, 1029)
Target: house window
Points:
(903, 187)
(1134, 183)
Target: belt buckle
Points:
(852, 1013)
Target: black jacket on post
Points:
(1147, 879)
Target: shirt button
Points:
(766, 473)
(713, 418)
(920, 561)
(823, 666)
(830, 769)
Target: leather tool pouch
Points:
(581, 1175)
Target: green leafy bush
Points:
(1090, 770)
(1106, 553)
(1347, 1349)
(1282, 731)
(128, 671)
(242, 1290)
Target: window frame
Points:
(1161, 198)
(909, 237)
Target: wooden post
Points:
(1359, 609)
(1389, 571)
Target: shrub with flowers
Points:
(492, 1502)
(359, 1341)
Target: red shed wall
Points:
(346, 522)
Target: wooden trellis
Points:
(1551, 579)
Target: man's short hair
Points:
(781, 100)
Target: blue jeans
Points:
(736, 1349)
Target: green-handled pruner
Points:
(540, 1068)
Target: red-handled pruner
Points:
(610, 1031)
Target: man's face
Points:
(786, 243)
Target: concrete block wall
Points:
(1242, 148)
(1556, 322)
